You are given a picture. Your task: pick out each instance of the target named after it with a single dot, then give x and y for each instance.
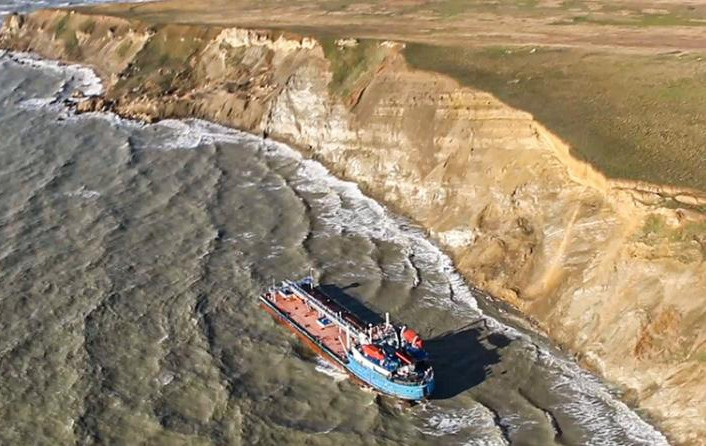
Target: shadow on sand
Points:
(461, 359)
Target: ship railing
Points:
(413, 380)
(335, 318)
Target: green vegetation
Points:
(63, 31)
(123, 49)
(632, 116)
(451, 8)
(656, 227)
(350, 63)
(636, 20)
(71, 45)
(61, 26)
(335, 5)
(88, 26)
(162, 65)
(666, 20)
(567, 12)
(692, 231)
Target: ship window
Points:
(323, 321)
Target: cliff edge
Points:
(611, 270)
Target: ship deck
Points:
(296, 309)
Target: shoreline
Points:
(499, 321)
(369, 171)
(528, 329)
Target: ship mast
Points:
(311, 278)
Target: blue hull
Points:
(412, 392)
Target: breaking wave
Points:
(323, 366)
(347, 209)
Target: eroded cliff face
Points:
(612, 270)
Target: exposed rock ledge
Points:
(612, 270)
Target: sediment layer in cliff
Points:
(610, 270)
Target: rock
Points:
(347, 43)
(689, 199)
(94, 104)
(516, 212)
(15, 23)
(77, 94)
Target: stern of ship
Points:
(405, 391)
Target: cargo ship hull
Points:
(327, 329)
(308, 340)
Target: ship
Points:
(385, 357)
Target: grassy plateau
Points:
(623, 82)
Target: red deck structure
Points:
(297, 309)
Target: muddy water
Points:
(131, 259)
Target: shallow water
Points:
(131, 259)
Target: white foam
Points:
(368, 218)
(323, 366)
(363, 216)
(79, 78)
(189, 134)
(477, 419)
(515, 422)
(76, 78)
(457, 238)
(84, 193)
(165, 378)
(587, 406)
(36, 103)
(346, 208)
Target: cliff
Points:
(613, 271)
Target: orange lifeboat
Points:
(373, 351)
(413, 338)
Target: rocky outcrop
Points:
(612, 270)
